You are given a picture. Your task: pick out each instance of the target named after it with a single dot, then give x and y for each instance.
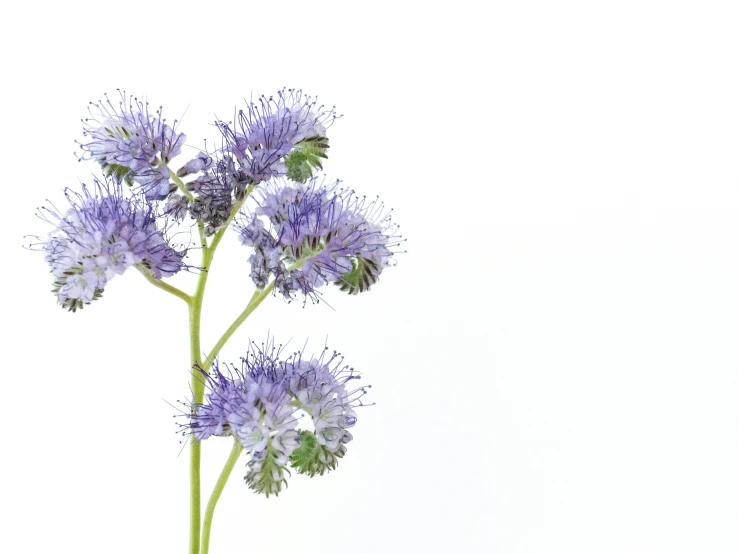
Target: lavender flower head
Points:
(99, 236)
(279, 136)
(128, 141)
(306, 235)
(215, 190)
(273, 137)
(261, 402)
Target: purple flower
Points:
(176, 207)
(317, 234)
(99, 236)
(154, 182)
(271, 128)
(258, 402)
(129, 141)
(215, 191)
(319, 387)
(201, 162)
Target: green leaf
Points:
(120, 172)
(312, 458)
(363, 274)
(305, 158)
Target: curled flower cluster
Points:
(260, 402)
(318, 234)
(284, 411)
(215, 190)
(271, 129)
(99, 236)
(275, 136)
(130, 142)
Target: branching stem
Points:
(149, 274)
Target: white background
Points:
(554, 360)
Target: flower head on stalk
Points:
(215, 190)
(261, 402)
(285, 135)
(99, 235)
(130, 142)
(306, 235)
(276, 136)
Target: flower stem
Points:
(216, 494)
(219, 234)
(181, 185)
(195, 304)
(149, 274)
(198, 388)
(253, 304)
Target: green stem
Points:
(217, 490)
(181, 185)
(198, 387)
(253, 304)
(149, 274)
(194, 496)
(219, 234)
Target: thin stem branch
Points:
(216, 494)
(149, 274)
(219, 234)
(181, 185)
(253, 304)
(194, 496)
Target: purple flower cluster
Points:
(130, 142)
(99, 236)
(286, 411)
(259, 403)
(215, 190)
(316, 234)
(268, 130)
(257, 148)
